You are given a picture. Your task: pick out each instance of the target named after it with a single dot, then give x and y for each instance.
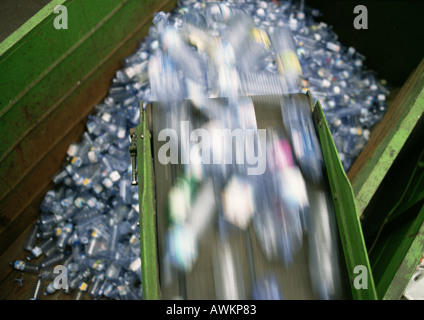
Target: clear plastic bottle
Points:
(80, 157)
(113, 241)
(126, 189)
(52, 260)
(63, 237)
(38, 250)
(59, 177)
(324, 266)
(287, 62)
(50, 249)
(297, 119)
(81, 277)
(37, 290)
(163, 78)
(45, 234)
(113, 271)
(50, 289)
(25, 266)
(85, 176)
(95, 285)
(124, 291)
(47, 274)
(135, 71)
(32, 237)
(82, 288)
(48, 201)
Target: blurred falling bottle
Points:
(324, 259)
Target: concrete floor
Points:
(14, 13)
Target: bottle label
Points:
(288, 62)
(20, 265)
(135, 265)
(91, 126)
(115, 176)
(121, 290)
(92, 202)
(79, 202)
(133, 239)
(98, 265)
(78, 180)
(51, 194)
(37, 251)
(50, 288)
(261, 37)
(76, 161)
(97, 188)
(72, 150)
(108, 290)
(83, 286)
(94, 233)
(107, 183)
(333, 47)
(121, 133)
(87, 182)
(68, 228)
(92, 156)
(130, 72)
(326, 83)
(106, 116)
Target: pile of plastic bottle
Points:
(89, 222)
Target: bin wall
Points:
(49, 81)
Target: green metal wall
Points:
(49, 81)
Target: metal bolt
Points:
(19, 280)
(133, 153)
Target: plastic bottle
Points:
(84, 176)
(113, 271)
(38, 250)
(287, 62)
(95, 285)
(324, 266)
(48, 201)
(47, 274)
(113, 241)
(183, 56)
(38, 288)
(50, 289)
(297, 119)
(124, 291)
(32, 237)
(52, 260)
(63, 237)
(25, 267)
(82, 288)
(81, 277)
(80, 157)
(50, 249)
(44, 234)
